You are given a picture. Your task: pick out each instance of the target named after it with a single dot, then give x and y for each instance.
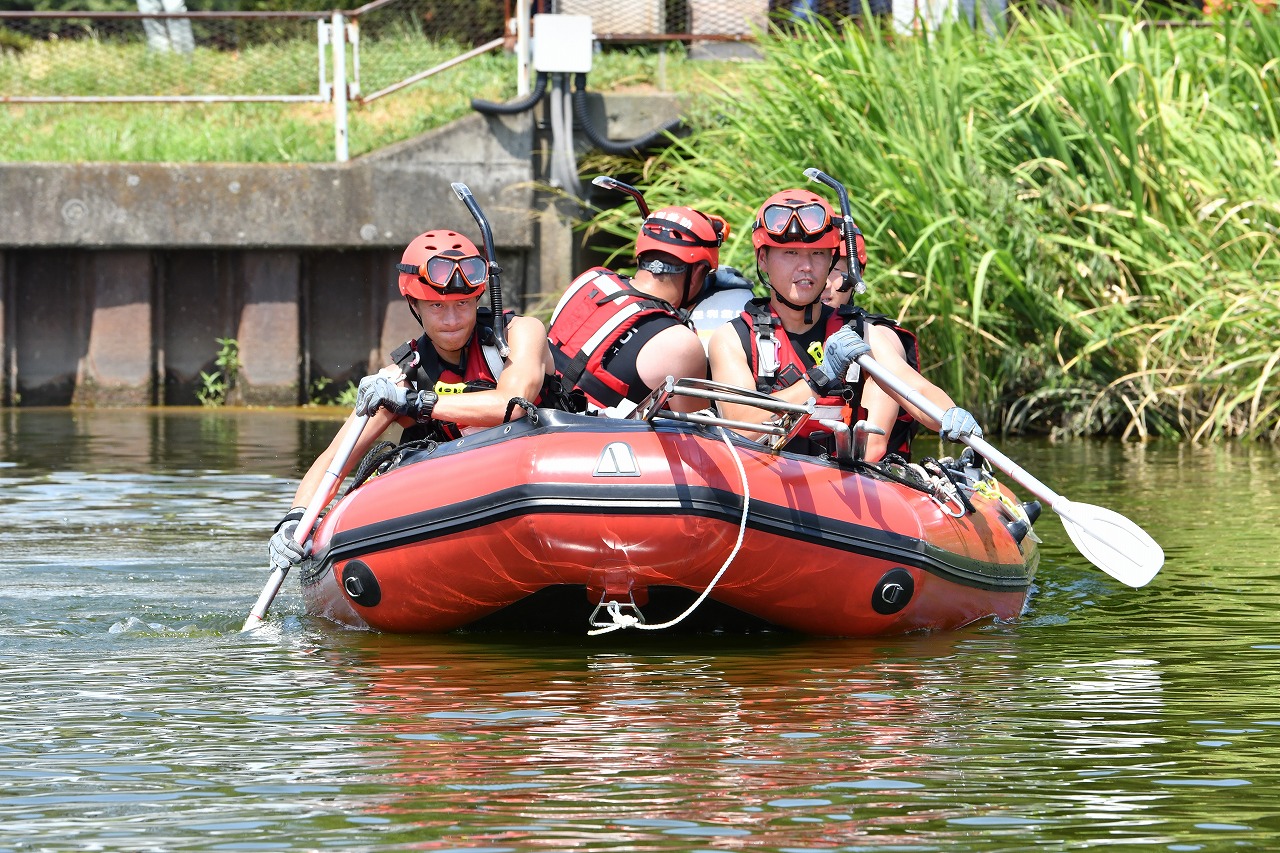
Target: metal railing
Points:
(239, 57)
(334, 57)
(204, 57)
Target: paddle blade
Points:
(1112, 542)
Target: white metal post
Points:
(339, 39)
(522, 47)
(904, 16)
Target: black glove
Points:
(726, 278)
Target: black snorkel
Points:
(495, 272)
(849, 230)
(608, 183)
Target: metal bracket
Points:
(787, 421)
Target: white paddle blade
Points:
(1112, 542)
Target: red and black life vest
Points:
(599, 307)
(480, 368)
(776, 364)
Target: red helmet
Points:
(442, 266)
(795, 218)
(684, 233)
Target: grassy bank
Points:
(1080, 219)
(226, 132)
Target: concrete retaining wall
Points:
(118, 278)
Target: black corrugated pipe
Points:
(512, 107)
(628, 147)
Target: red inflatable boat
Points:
(579, 523)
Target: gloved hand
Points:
(285, 553)
(841, 350)
(726, 278)
(378, 390)
(958, 423)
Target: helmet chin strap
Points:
(807, 309)
(409, 301)
(688, 296)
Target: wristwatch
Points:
(421, 408)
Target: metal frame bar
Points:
(791, 416)
(422, 75)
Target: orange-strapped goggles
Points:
(467, 275)
(811, 217)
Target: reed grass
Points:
(1079, 218)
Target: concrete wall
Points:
(118, 278)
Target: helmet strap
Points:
(409, 301)
(689, 296)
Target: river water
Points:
(135, 717)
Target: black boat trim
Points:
(642, 500)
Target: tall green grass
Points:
(1080, 218)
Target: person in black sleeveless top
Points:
(448, 382)
(615, 340)
(793, 347)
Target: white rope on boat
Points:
(627, 620)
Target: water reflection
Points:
(800, 740)
(269, 442)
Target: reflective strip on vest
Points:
(614, 322)
(575, 286)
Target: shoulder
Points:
(720, 301)
(676, 335)
(726, 339)
(525, 325)
(883, 338)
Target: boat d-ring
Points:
(617, 619)
(952, 499)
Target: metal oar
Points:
(308, 521)
(1106, 538)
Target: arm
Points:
(522, 376)
(881, 405)
(675, 351)
(374, 428)
(729, 365)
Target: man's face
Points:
(798, 272)
(449, 324)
